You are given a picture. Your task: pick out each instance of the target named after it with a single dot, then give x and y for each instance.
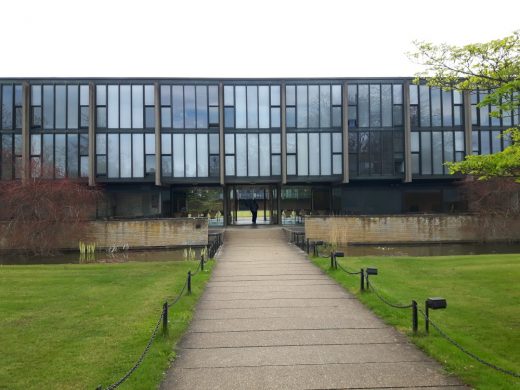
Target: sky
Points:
(228, 38)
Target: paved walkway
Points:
(269, 319)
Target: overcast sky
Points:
(224, 38)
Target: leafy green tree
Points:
(493, 66)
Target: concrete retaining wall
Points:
(410, 229)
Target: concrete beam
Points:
(91, 134)
(26, 119)
(407, 133)
(345, 133)
(157, 109)
(468, 123)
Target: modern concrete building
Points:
(180, 147)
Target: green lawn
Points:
(483, 314)
(80, 326)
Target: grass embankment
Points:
(79, 326)
(483, 311)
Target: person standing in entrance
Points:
(254, 211)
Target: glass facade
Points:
(10, 131)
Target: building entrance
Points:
(241, 200)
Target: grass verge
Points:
(80, 326)
(483, 311)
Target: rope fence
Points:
(431, 303)
(212, 250)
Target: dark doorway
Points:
(241, 199)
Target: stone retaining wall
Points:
(407, 229)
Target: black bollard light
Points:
(370, 271)
(362, 279)
(337, 254)
(332, 260)
(434, 304)
(415, 321)
(202, 262)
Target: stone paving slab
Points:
(290, 337)
(328, 376)
(269, 319)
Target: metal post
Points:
(415, 322)
(331, 260)
(308, 247)
(202, 262)
(427, 319)
(189, 282)
(165, 318)
(362, 274)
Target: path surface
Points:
(269, 319)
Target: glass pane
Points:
(48, 106)
(495, 142)
(303, 154)
(325, 158)
(137, 155)
(252, 154)
(126, 155)
(101, 115)
(337, 144)
(485, 147)
(275, 117)
(230, 165)
(165, 95)
(101, 144)
(252, 107)
(240, 107)
(202, 107)
(213, 95)
(83, 144)
(446, 109)
(301, 108)
(178, 106)
(414, 142)
(101, 165)
(265, 155)
(149, 95)
(314, 106)
(229, 143)
(448, 148)
(424, 108)
(36, 95)
(336, 116)
(352, 94)
(214, 166)
(113, 110)
(101, 95)
(276, 165)
(166, 117)
(291, 117)
(457, 115)
(386, 102)
(150, 143)
(166, 143)
(324, 106)
(137, 107)
(414, 98)
(72, 155)
(314, 154)
(72, 107)
(375, 105)
(275, 95)
(189, 107)
(178, 155)
(213, 116)
(84, 92)
(484, 111)
(291, 164)
(291, 143)
(415, 164)
(228, 95)
(59, 155)
(83, 166)
(437, 152)
(363, 106)
(336, 95)
(290, 95)
(457, 97)
(337, 168)
(398, 115)
(191, 155)
(229, 117)
(241, 159)
(166, 166)
(459, 141)
(275, 143)
(474, 142)
(149, 117)
(36, 117)
(426, 153)
(36, 145)
(150, 164)
(214, 146)
(125, 107)
(436, 106)
(398, 94)
(48, 155)
(113, 154)
(202, 155)
(84, 117)
(263, 107)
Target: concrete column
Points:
(222, 152)
(468, 123)
(225, 199)
(407, 133)
(283, 140)
(157, 108)
(345, 133)
(26, 120)
(91, 134)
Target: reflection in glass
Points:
(275, 95)
(398, 93)
(137, 107)
(275, 117)
(149, 92)
(426, 153)
(436, 106)
(437, 151)
(48, 106)
(191, 155)
(446, 108)
(213, 95)
(363, 105)
(138, 155)
(301, 108)
(290, 95)
(240, 107)
(202, 155)
(314, 106)
(229, 143)
(314, 154)
(229, 117)
(352, 94)
(214, 146)
(263, 107)
(72, 155)
(59, 155)
(125, 109)
(375, 105)
(303, 154)
(275, 143)
(252, 107)
(83, 166)
(189, 107)
(113, 110)
(424, 107)
(386, 104)
(337, 168)
(241, 154)
(252, 155)
(178, 106)
(178, 155)
(265, 155)
(291, 117)
(101, 165)
(291, 143)
(113, 154)
(36, 144)
(230, 165)
(291, 165)
(202, 107)
(228, 95)
(126, 155)
(337, 144)
(324, 106)
(336, 95)
(276, 165)
(48, 155)
(166, 143)
(72, 107)
(166, 165)
(149, 143)
(325, 154)
(101, 95)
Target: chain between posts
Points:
(464, 350)
(370, 285)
